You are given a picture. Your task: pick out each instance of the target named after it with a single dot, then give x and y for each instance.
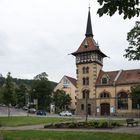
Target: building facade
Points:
(100, 92)
(68, 84)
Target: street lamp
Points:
(86, 102)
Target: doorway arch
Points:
(105, 109)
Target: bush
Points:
(115, 124)
(96, 124)
(72, 125)
(103, 125)
(50, 125)
(89, 124)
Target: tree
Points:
(42, 91)
(21, 95)
(135, 96)
(8, 92)
(42, 76)
(129, 8)
(133, 37)
(61, 100)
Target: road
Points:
(13, 111)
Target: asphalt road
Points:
(13, 111)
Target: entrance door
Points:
(105, 109)
(89, 109)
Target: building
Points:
(68, 84)
(100, 92)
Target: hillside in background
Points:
(26, 82)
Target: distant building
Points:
(68, 84)
(100, 92)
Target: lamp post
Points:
(86, 98)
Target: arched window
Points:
(122, 100)
(85, 93)
(84, 70)
(86, 81)
(87, 69)
(104, 95)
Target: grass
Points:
(30, 120)
(44, 135)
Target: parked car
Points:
(25, 108)
(32, 110)
(65, 113)
(41, 112)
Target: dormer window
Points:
(104, 80)
(85, 44)
(65, 83)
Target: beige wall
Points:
(95, 92)
(71, 90)
(93, 74)
(94, 70)
(113, 91)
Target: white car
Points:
(65, 113)
(32, 110)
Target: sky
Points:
(39, 35)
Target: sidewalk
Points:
(124, 129)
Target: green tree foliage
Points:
(61, 100)
(133, 37)
(129, 8)
(42, 90)
(8, 92)
(42, 76)
(21, 94)
(135, 96)
(1, 80)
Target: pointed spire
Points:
(89, 26)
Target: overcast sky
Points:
(37, 36)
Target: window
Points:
(85, 44)
(82, 106)
(104, 80)
(104, 95)
(99, 58)
(85, 93)
(65, 83)
(86, 81)
(135, 103)
(85, 70)
(122, 100)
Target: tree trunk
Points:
(8, 111)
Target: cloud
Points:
(37, 36)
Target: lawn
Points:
(30, 120)
(44, 135)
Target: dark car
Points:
(41, 112)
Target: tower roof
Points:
(89, 44)
(92, 46)
(89, 26)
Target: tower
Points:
(89, 62)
